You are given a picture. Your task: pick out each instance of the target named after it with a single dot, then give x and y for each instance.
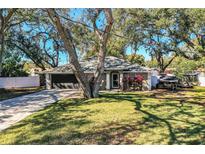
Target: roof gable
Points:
(111, 63)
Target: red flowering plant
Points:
(139, 79)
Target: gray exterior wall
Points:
(69, 80)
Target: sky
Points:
(140, 51)
(63, 58)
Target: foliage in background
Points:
(151, 63)
(183, 66)
(136, 59)
(37, 39)
(6, 23)
(13, 66)
(180, 65)
(163, 32)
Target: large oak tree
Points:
(102, 35)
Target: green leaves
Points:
(136, 59)
(13, 66)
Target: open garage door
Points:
(64, 81)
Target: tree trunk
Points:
(99, 72)
(159, 60)
(81, 77)
(102, 39)
(90, 88)
(163, 67)
(69, 46)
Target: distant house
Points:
(116, 70)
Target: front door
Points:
(115, 80)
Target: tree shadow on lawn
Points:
(50, 120)
(48, 123)
(124, 97)
(105, 136)
(108, 134)
(183, 99)
(193, 129)
(152, 117)
(196, 89)
(182, 109)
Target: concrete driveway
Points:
(16, 109)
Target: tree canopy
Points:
(163, 32)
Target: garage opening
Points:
(64, 81)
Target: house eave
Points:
(114, 69)
(136, 71)
(124, 71)
(62, 72)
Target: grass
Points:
(157, 117)
(11, 93)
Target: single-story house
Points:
(115, 69)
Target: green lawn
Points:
(156, 117)
(11, 93)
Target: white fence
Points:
(201, 78)
(19, 82)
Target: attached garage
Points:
(62, 81)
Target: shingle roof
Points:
(111, 63)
